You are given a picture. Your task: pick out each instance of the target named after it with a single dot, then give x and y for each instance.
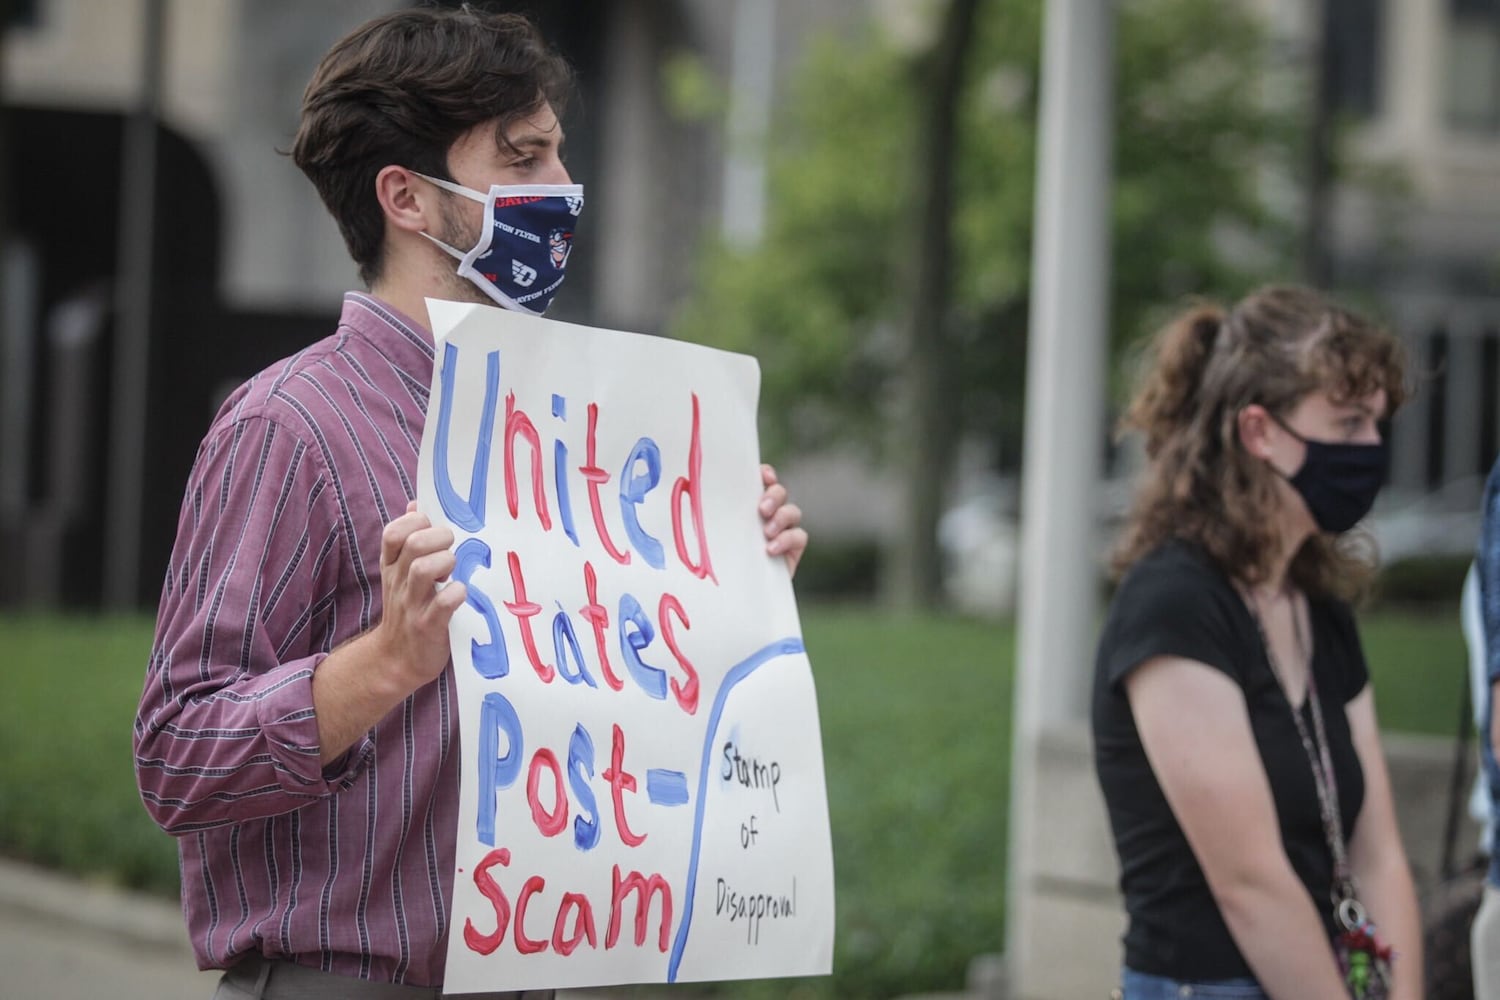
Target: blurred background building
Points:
(156, 249)
(245, 265)
(1417, 86)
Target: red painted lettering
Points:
(644, 889)
(597, 477)
(689, 485)
(583, 924)
(550, 824)
(484, 944)
(598, 617)
(524, 944)
(524, 611)
(621, 782)
(517, 422)
(686, 693)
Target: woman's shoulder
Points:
(1173, 601)
(1179, 571)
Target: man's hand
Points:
(783, 521)
(413, 631)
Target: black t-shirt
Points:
(1176, 602)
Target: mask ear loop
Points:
(466, 268)
(455, 188)
(1282, 424)
(450, 250)
(465, 260)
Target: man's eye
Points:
(524, 164)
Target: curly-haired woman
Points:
(1231, 706)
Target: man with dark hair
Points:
(296, 731)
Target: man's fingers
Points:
(430, 539)
(787, 516)
(771, 499)
(395, 534)
(427, 570)
(419, 542)
(449, 598)
(790, 543)
(767, 474)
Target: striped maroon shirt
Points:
(347, 868)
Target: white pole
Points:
(1064, 416)
(752, 72)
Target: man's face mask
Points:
(522, 253)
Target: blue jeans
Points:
(1140, 986)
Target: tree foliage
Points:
(1200, 144)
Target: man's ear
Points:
(409, 203)
(1253, 423)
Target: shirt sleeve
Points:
(1487, 563)
(1355, 670)
(1166, 610)
(226, 730)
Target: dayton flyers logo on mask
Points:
(575, 203)
(522, 274)
(560, 242)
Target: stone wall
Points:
(1077, 917)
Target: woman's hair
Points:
(401, 89)
(1274, 347)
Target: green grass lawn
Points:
(916, 732)
(1419, 665)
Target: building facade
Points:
(246, 264)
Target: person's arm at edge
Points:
(1487, 567)
(1196, 732)
(1494, 715)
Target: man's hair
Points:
(401, 89)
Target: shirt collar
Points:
(406, 342)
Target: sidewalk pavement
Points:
(65, 939)
(70, 940)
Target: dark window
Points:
(1356, 29)
(1474, 8)
(19, 13)
(1473, 65)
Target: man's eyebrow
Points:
(538, 140)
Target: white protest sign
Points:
(642, 796)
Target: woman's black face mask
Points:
(1338, 480)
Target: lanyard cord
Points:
(1318, 756)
